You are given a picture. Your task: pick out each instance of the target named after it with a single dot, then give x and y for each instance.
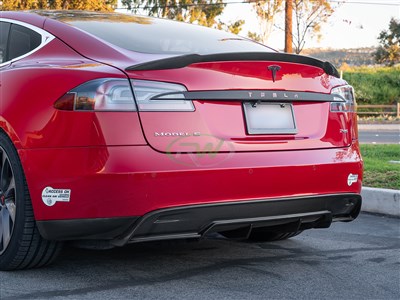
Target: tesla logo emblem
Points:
(274, 69)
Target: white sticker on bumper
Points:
(51, 196)
(352, 178)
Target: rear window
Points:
(158, 36)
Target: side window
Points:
(21, 41)
(4, 29)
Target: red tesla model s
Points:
(118, 129)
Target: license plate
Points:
(270, 118)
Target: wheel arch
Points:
(9, 131)
(23, 246)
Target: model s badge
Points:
(176, 134)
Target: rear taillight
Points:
(107, 94)
(160, 96)
(110, 94)
(345, 93)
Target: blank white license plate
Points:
(270, 118)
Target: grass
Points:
(378, 172)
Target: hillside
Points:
(352, 57)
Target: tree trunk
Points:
(288, 26)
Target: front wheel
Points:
(21, 245)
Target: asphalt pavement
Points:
(379, 133)
(357, 260)
(379, 137)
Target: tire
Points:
(21, 245)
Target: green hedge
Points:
(375, 85)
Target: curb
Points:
(381, 201)
(379, 127)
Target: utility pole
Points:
(288, 26)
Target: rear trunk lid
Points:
(245, 106)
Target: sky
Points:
(352, 25)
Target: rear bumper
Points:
(132, 181)
(198, 220)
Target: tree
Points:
(97, 5)
(234, 27)
(201, 12)
(389, 51)
(254, 36)
(309, 16)
(266, 11)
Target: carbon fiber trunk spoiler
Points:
(182, 61)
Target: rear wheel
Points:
(21, 245)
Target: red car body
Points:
(137, 175)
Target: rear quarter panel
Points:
(29, 88)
